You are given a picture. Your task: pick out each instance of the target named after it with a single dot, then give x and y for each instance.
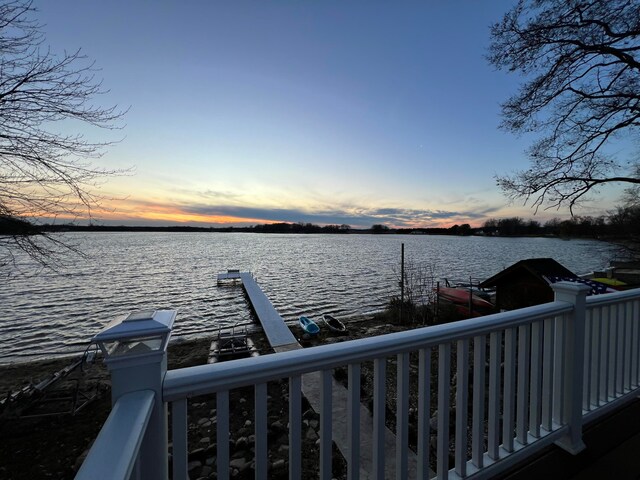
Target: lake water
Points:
(44, 313)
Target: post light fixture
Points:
(138, 334)
(135, 352)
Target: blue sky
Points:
(324, 112)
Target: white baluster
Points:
(424, 411)
(478, 415)
(509, 399)
(626, 311)
(402, 415)
(379, 399)
(295, 425)
(325, 425)
(222, 435)
(261, 445)
(596, 357)
(444, 384)
(636, 319)
(605, 367)
(559, 371)
(179, 440)
(587, 360)
(353, 412)
(524, 359)
(620, 334)
(462, 400)
(495, 350)
(535, 408)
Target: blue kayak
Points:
(309, 325)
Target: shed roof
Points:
(539, 267)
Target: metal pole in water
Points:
(470, 298)
(437, 299)
(401, 280)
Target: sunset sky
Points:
(324, 112)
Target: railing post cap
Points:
(137, 335)
(571, 288)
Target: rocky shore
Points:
(54, 446)
(202, 437)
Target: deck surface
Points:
(274, 327)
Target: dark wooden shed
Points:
(526, 283)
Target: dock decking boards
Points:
(274, 327)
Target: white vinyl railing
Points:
(612, 345)
(115, 450)
(500, 388)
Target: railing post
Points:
(573, 350)
(128, 377)
(135, 350)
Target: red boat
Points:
(461, 298)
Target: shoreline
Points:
(253, 329)
(34, 451)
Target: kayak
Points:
(334, 324)
(309, 325)
(460, 298)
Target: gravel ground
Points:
(52, 446)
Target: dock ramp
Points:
(276, 330)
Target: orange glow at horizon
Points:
(154, 212)
(175, 215)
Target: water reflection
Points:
(301, 274)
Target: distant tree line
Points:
(299, 228)
(464, 229)
(8, 228)
(623, 221)
(15, 226)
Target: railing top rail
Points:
(203, 379)
(611, 298)
(115, 451)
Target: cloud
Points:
(360, 217)
(207, 208)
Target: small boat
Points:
(482, 293)
(309, 325)
(461, 298)
(334, 324)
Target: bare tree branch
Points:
(583, 93)
(45, 173)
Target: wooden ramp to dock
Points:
(273, 324)
(340, 434)
(282, 340)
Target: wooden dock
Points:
(282, 340)
(277, 332)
